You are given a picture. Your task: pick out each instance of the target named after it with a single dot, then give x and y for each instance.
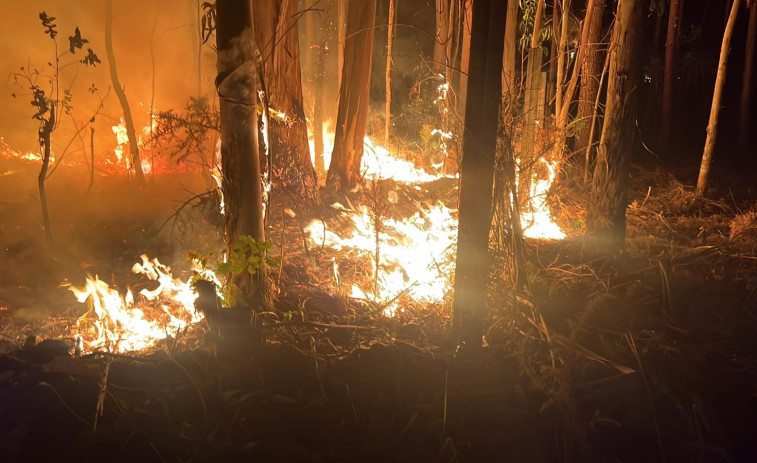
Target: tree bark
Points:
(606, 222)
(590, 70)
(389, 44)
(465, 55)
(276, 34)
(237, 88)
(443, 36)
(511, 43)
(128, 120)
(477, 169)
(532, 106)
(341, 29)
(712, 126)
(45, 133)
(674, 23)
(747, 79)
(354, 95)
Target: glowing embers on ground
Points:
(415, 255)
(118, 323)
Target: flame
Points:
(416, 255)
(117, 323)
(536, 217)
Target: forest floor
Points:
(649, 357)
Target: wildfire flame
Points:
(117, 323)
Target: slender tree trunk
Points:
(45, 137)
(674, 24)
(532, 106)
(91, 154)
(237, 84)
(465, 55)
(354, 93)
(590, 70)
(747, 79)
(443, 35)
(389, 44)
(557, 54)
(320, 75)
(341, 30)
(477, 170)
(511, 43)
(606, 224)
(128, 120)
(276, 34)
(712, 126)
(594, 115)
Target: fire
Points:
(118, 323)
(416, 255)
(536, 218)
(122, 141)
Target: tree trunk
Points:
(389, 43)
(559, 47)
(606, 222)
(318, 88)
(590, 70)
(465, 55)
(276, 34)
(354, 96)
(91, 154)
(477, 169)
(443, 36)
(45, 135)
(237, 84)
(712, 126)
(341, 29)
(128, 120)
(532, 106)
(511, 43)
(674, 24)
(747, 79)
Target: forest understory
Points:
(646, 357)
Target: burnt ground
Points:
(650, 357)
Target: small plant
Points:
(248, 255)
(47, 102)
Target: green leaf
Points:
(273, 261)
(224, 268)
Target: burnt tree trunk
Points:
(533, 107)
(354, 95)
(591, 68)
(276, 34)
(237, 83)
(674, 24)
(128, 120)
(606, 222)
(477, 169)
(712, 125)
(747, 79)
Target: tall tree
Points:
(712, 125)
(354, 95)
(533, 106)
(128, 120)
(477, 169)
(236, 84)
(276, 34)
(591, 69)
(606, 224)
(389, 46)
(671, 45)
(511, 41)
(748, 77)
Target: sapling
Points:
(48, 103)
